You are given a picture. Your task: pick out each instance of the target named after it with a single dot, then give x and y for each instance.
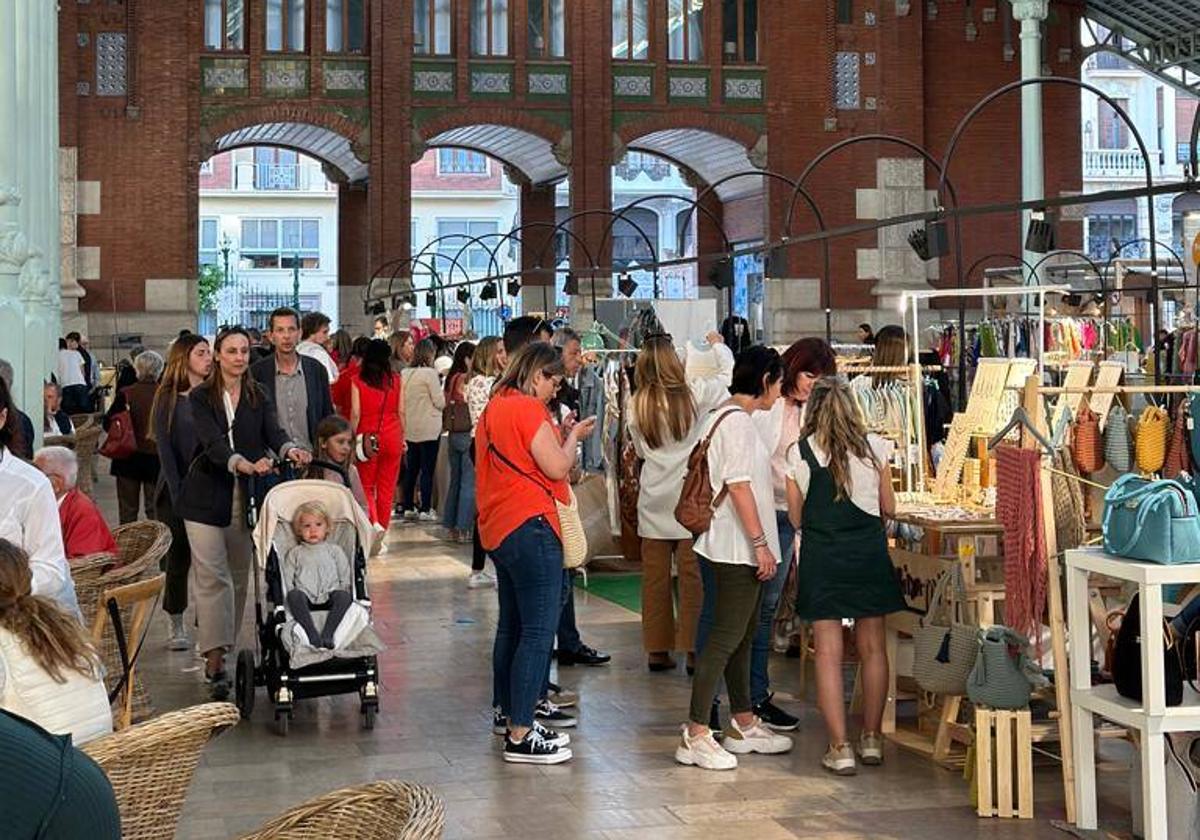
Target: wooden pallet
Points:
(1003, 742)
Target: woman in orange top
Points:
(521, 465)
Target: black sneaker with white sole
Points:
(774, 717)
(534, 749)
(553, 715)
(500, 727)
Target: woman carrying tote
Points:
(423, 404)
(236, 431)
(737, 553)
(137, 474)
(189, 363)
(664, 421)
(839, 485)
(522, 463)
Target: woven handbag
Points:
(999, 678)
(1118, 445)
(1087, 446)
(1070, 525)
(1150, 439)
(574, 538)
(1178, 459)
(945, 646)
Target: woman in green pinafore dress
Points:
(839, 485)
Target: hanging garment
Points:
(1019, 511)
(1178, 459)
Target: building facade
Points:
(557, 91)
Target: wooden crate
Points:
(1004, 742)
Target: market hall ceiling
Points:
(325, 145)
(1165, 36)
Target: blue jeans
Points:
(529, 577)
(760, 683)
(459, 506)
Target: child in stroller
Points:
(315, 572)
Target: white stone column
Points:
(1031, 13)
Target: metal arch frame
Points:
(444, 237)
(826, 283)
(969, 117)
(1154, 287)
(981, 261)
(399, 263)
(580, 214)
(695, 205)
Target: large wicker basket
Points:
(387, 810)
(151, 765)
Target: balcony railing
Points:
(1115, 163)
(280, 177)
(1108, 61)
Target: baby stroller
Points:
(291, 672)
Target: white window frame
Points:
(215, 250)
(450, 247)
(279, 250)
(487, 164)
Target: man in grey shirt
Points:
(297, 385)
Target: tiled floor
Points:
(434, 727)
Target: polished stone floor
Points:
(434, 727)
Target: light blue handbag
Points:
(1157, 521)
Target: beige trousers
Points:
(660, 632)
(221, 559)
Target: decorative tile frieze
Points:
(639, 86)
(687, 87)
(491, 82)
(110, 64)
(548, 84)
(345, 78)
(285, 78)
(221, 75)
(743, 88)
(433, 81)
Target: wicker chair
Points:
(87, 441)
(137, 599)
(387, 810)
(140, 546)
(151, 765)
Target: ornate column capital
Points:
(14, 250)
(1031, 9)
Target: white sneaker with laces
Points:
(754, 738)
(427, 516)
(703, 751)
(179, 638)
(480, 580)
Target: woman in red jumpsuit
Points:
(377, 408)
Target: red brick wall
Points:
(926, 76)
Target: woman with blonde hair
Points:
(487, 364)
(891, 350)
(49, 671)
(189, 363)
(664, 416)
(839, 486)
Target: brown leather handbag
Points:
(696, 503)
(1178, 459)
(1088, 445)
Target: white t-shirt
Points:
(864, 477)
(316, 351)
(70, 368)
(737, 454)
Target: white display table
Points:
(1151, 718)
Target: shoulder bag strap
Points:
(493, 450)
(724, 491)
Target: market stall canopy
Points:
(1160, 36)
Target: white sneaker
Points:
(480, 580)
(870, 749)
(410, 515)
(427, 516)
(703, 751)
(179, 638)
(840, 760)
(754, 738)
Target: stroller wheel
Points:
(368, 713)
(281, 722)
(244, 683)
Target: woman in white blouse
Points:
(664, 415)
(488, 363)
(49, 671)
(737, 553)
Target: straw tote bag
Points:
(574, 538)
(1151, 439)
(1088, 446)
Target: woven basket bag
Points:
(1151, 439)
(1178, 459)
(1118, 445)
(1087, 446)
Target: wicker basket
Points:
(387, 810)
(140, 546)
(87, 440)
(151, 765)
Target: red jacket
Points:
(83, 527)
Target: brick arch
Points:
(723, 127)
(509, 117)
(359, 136)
